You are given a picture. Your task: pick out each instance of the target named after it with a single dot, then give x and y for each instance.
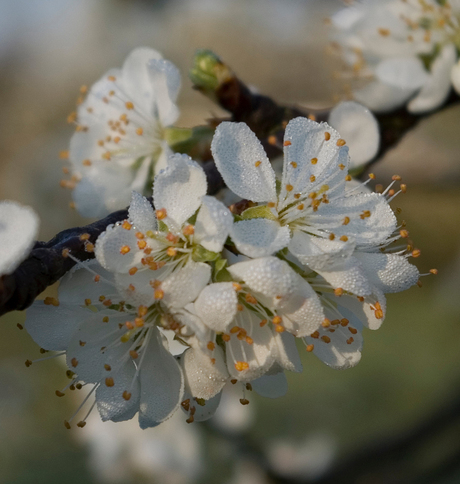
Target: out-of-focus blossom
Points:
(399, 51)
(120, 139)
(18, 231)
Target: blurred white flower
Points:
(399, 51)
(120, 140)
(18, 231)
(171, 453)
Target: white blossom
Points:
(399, 51)
(18, 231)
(120, 140)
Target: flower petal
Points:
(455, 77)
(259, 237)
(382, 97)
(18, 230)
(179, 189)
(304, 141)
(217, 305)
(204, 378)
(437, 88)
(370, 218)
(271, 386)
(269, 278)
(111, 403)
(141, 213)
(162, 384)
(359, 127)
(402, 72)
(318, 253)
(364, 308)
(388, 272)
(213, 224)
(184, 285)
(242, 162)
(166, 81)
(309, 316)
(52, 327)
(202, 412)
(287, 354)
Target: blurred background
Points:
(395, 418)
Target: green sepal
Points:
(162, 227)
(261, 211)
(174, 135)
(200, 254)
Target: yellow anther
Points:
(158, 294)
(250, 299)
(107, 302)
(109, 381)
(277, 320)
(249, 340)
(327, 136)
(372, 176)
(352, 330)
(326, 323)
(126, 395)
(378, 314)
(314, 161)
(237, 286)
(396, 178)
(279, 328)
(331, 236)
(403, 188)
(142, 311)
(105, 319)
(235, 329)
(344, 238)
(211, 346)
(383, 32)
(244, 401)
(263, 323)
(226, 337)
(67, 425)
(83, 89)
(326, 339)
(84, 237)
(107, 367)
(348, 178)
(301, 206)
(272, 140)
(142, 244)
(312, 178)
(293, 164)
(310, 348)
(434, 271)
(106, 155)
(239, 307)
(287, 143)
(139, 322)
(257, 163)
(126, 225)
(289, 188)
(341, 166)
(297, 196)
(88, 302)
(125, 249)
(161, 213)
(139, 131)
(341, 142)
(346, 221)
(241, 365)
(404, 233)
(338, 291)
(365, 214)
(51, 301)
(188, 230)
(171, 251)
(134, 354)
(350, 340)
(416, 253)
(129, 105)
(89, 247)
(64, 155)
(74, 362)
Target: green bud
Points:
(175, 135)
(208, 71)
(200, 254)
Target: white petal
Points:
(162, 160)
(111, 247)
(309, 316)
(318, 253)
(166, 81)
(18, 230)
(136, 77)
(305, 140)
(95, 344)
(271, 386)
(213, 224)
(402, 72)
(260, 355)
(364, 308)
(382, 97)
(269, 278)
(203, 379)
(237, 151)
(52, 327)
(365, 231)
(287, 354)
(349, 276)
(141, 213)
(359, 127)
(194, 324)
(206, 411)
(110, 402)
(437, 87)
(259, 237)
(81, 284)
(184, 285)
(179, 189)
(217, 305)
(162, 384)
(388, 272)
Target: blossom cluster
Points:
(400, 51)
(306, 258)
